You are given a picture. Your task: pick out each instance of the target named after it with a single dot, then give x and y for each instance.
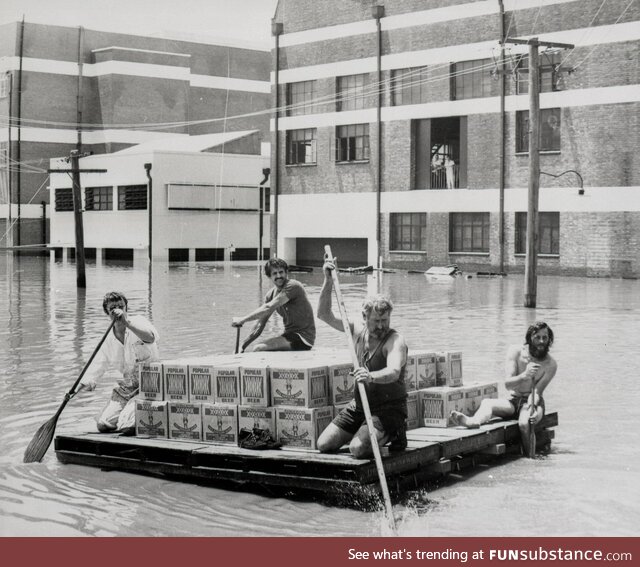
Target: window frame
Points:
(352, 95)
(105, 198)
(355, 146)
(480, 80)
(409, 86)
(459, 222)
(415, 224)
(548, 141)
(63, 199)
(124, 204)
(308, 143)
(300, 98)
(548, 78)
(548, 233)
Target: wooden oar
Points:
(532, 425)
(38, 446)
(363, 395)
(237, 339)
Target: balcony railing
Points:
(445, 177)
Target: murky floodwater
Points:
(588, 485)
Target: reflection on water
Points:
(588, 485)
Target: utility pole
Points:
(75, 171)
(531, 263)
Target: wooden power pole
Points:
(74, 156)
(531, 263)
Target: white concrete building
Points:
(204, 203)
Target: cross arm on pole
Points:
(536, 41)
(76, 171)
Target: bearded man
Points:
(529, 369)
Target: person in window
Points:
(289, 299)
(449, 169)
(529, 369)
(132, 340)
(382, 355)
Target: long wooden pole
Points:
(81, 279)
(531, 277)
(363, 396)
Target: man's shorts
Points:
(392, 418)
(518, 402)
(296, 341)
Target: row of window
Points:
(130, 197)
(469, 232)
(468, 79)
(351, 141)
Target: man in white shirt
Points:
(133, 340)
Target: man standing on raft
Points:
(529, 369)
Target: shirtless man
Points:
(289, 299)
(382, 354)
(528, 366)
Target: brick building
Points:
(68, 88)
(403, 133)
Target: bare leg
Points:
(332, 438)
(274, 343)
(525, 426)
(360, 445)
(489, 407)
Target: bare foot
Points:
(460, 419)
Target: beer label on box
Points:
(227, 385)
(201, 384)
(255, 382)
(175, 383)
(426, 370)
(185, 421)
(262, 418)
(151, 418)
(151, 383)
(220, 423)
(288, 387)
(342, 383)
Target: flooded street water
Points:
(587, 486)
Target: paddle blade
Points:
(36, 450)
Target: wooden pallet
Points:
(432, 453)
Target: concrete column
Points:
(140, 257)
(99, 256)
(65, 254)
(192, 255)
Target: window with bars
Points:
(351, 92)
(471, 79)
(98, 198)
(548, 233)
(407, 231)
(301, 146)
(132, 197)
(64, 200)
(409, 86)
(549, 65)
(469, 232)
(301, 98)
(549, 130)
(352, 142)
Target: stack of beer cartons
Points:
(255, 409)
(475, 393)
(300, 395)
(151, 407)
(444, 392)
(342, 386)
(185, 416)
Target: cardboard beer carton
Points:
(254, 386)
(201, 383)
(413, 404)
(185, 421)
(425, 370)
(410, 373)
(151, 379)
(252, 416)
(226, 384)
(449, 369)
(220, 423)
(176, 381)
(472, 399)
(305, 385)
(151, 418)
(301, 427)
(437, 403)
(341, 383)
(489, 390)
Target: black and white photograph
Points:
(320, 268)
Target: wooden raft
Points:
(432, 454)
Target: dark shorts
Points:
(519, 401)
(296, 342)
(393, 417)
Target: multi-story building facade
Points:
(403, 133)
(65, 88)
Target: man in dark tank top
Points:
(382, 357)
